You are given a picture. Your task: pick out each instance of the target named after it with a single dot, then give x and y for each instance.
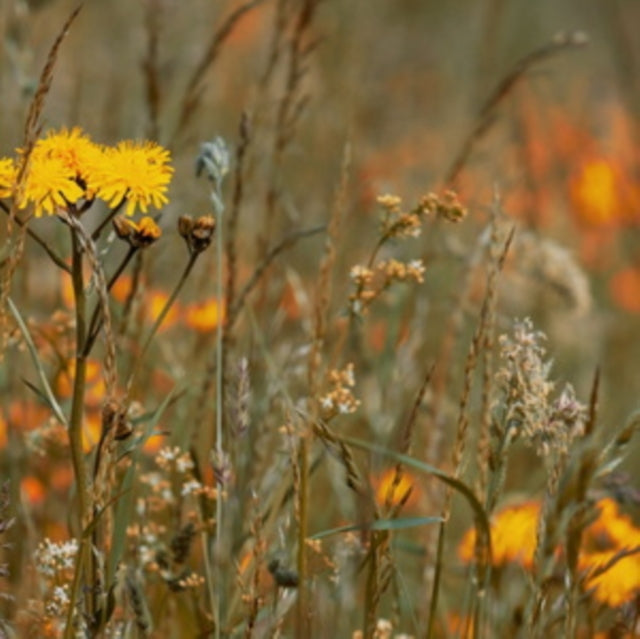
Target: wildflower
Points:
(513, 535)
(197, 233)
(524, 380)
(191, 487)
(393, 487)
(48, 185)
(446, 206)
(81, 157)
(55, 559)
(602, 194)
(614, 580)
(625, 289)
(340, 399)
(205, 316)
(7, 177)
(136, 171)
(138, 235)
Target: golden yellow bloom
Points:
(513, 535)
(7, 177)
(82, 157)
(48, 185)
(136, 171)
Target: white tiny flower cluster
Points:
(52, 559)
(340, 399)
(174, 457)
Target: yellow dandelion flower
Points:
(48, 185)
(136, 171)
(7, 177)
(82, 157)
(513, 535)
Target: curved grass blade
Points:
(381, 524)
(46, 392)
(483, 527)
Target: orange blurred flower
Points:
(602, 194)
(154, 303)
(513, 535)
(388, 492)
(612, 532)
(625, 289)
(33, 490)
(204, 316)
(514, 532)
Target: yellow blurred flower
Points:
(7, 177)
(136, 171)
(513, 535)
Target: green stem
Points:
(219, 402)
(169, 303)
(301, 610)
(433, 605)
(75, 426)
(96, 318)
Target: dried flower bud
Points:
(197, 233)
(185, 224)
(140, 235)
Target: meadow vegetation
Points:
(319, 318)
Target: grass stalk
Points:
(75, 426)
(219, 408)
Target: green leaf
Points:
(46, 393)
(483, 527)
(381, 524)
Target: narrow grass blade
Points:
(127, 494)
(381, 524)
(46, 392)
(483, 527)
